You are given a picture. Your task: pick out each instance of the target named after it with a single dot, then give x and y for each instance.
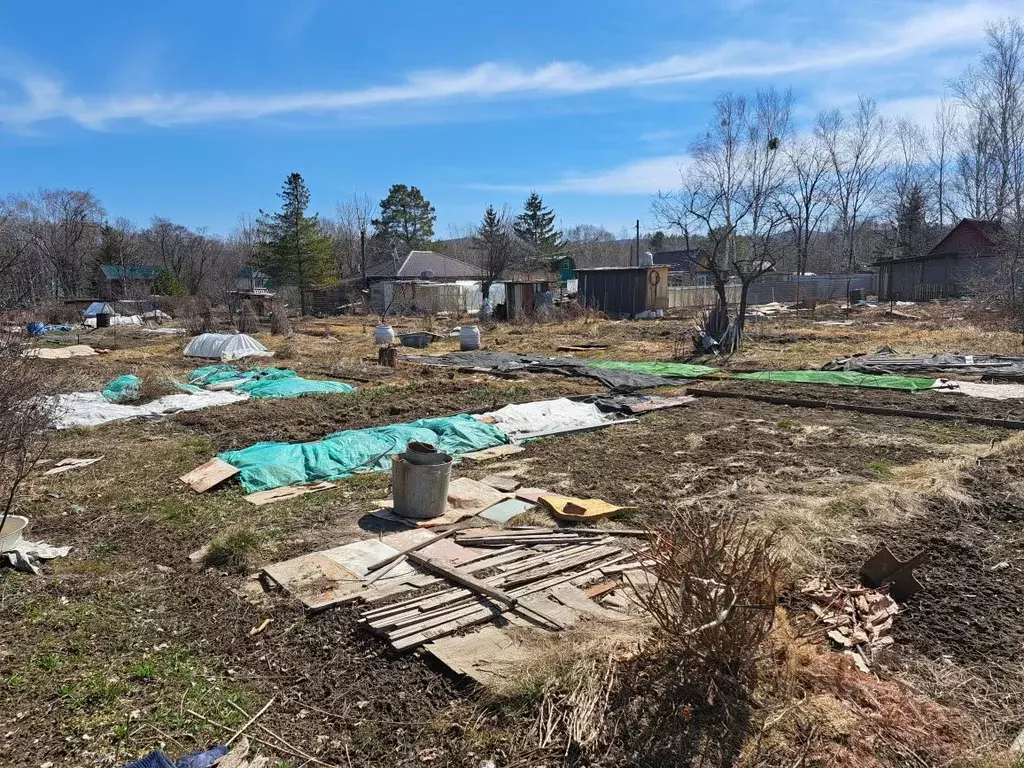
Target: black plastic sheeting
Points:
(511, 362)
(888, 361)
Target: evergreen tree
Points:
(406, 218)
(657, 241)
(167, 284)
(911, 227)
(536, 226)
(292, 251)
(500, 249)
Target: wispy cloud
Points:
(639, 177)
(946, 26)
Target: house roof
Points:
(420, 264)
(990, 232)
(681, 258)
(130, 272)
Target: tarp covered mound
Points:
(265, 466)
(521, 421)
(123, 389)
(888, 360)
(565, 366)
(226, 346)
(88, 409)
(843, 379)
(266, 382)
(671, 370)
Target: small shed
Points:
(624, 292)
(526, 298)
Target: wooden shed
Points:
(624, 292)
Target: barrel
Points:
(102, 320)
(469, 338)
(420, 490)
(383, 335)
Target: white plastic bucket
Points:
(383, 335)
(13, 527)
(420, 490)
(469, 338)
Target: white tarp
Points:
(116, 320)
(534, 419)
(225, 346)
(88, 409)
(974, 389)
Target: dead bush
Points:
(196, 316)
(280, 325)
(26, 414)
(288, 350)
(154, 384)
(247, 320)
(59, 313)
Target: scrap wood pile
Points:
(860, 619)
(522, 577)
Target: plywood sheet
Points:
(315, 580)
(204, 477)
(496, 452)
(288, 492)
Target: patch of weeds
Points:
(788, 424)
(49, 662)
(192, 448)
(14, 683)
(367, 481)
(880, 468)
(107, 548)
(234, 550)
(93, 692)
(143, 672)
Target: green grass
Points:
(880, 469)
(235, 549)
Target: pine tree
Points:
(406, 218)
(292, 250)
(911, 224)
(166, 284)
(498, 246)
(536, 226)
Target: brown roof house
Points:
(958, 265)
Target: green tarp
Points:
(123, 389)
(842, 379)
(677, 370)
(266, 382)
(271, 465)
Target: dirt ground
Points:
(125, 645)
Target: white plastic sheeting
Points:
(116, 320)
(974, 389)
(226, 346)
(89, 409)
(527, 420)
(98, 308)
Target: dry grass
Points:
(564, 680)
(826, 712)
(806, 525)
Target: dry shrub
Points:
(287, 350)
(831, 714)
(247, 321)
(154, 384)
(280, 325)
(563, 680)
(195, 315)
(59, 313)
(26, 414)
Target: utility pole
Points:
(362, 255)
(638, 242)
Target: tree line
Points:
(760, 193)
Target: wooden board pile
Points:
(521, 577)
(859, 618)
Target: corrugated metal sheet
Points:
(624, 292)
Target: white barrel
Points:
(420, 490)
(383, 335)
(469, 338)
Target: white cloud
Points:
(945, 26)
(639, 177)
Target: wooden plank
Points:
(660, 404)
(488, 454)
(601, 588)
(66, 465)
(502, 483)
(577, 599)
(462, 578)
(315, 580)
(287, 492)
(206, 476)
(402, 553)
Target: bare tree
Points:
(976, 171)
(731, 191)
(808, 195)
(64, 227)
(594, 246)
(351, 232)
(857, 147)
(940, 160)
(500, 249)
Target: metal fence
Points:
(786, 290)
(699, 296)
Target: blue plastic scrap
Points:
(202, 759)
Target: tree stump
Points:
(388, 356)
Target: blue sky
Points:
(198, 110)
